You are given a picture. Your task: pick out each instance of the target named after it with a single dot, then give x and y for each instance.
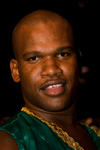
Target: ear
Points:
(79, 54)
(14, 70)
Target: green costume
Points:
(31, 133)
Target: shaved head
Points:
(40, 16)
(44, 48)
(34, 18)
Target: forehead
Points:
(47, 34)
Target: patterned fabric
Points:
(32, 134)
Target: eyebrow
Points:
(30, 53)
(64, 48)
(37, 52)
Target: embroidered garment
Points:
(31, 133)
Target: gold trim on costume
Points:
(62, 134)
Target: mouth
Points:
(54, 88)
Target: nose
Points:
(51, 68)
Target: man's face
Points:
(48, 66)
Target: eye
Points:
(62, 54)
(33, 58)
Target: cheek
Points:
(71, 71)
(71, 68)
(29, 77)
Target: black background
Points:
(85, 15)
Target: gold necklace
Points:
(62, 134)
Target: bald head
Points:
(39, 16)
(34, 18)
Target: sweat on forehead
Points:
(32, 19)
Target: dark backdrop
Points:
(85, 15)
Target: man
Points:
(47, 65)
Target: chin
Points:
(57, 107)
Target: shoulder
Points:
(7, 142)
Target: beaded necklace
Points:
(62, 134)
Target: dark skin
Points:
(48, 68)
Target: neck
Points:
(66, 117)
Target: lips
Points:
(54, 88)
